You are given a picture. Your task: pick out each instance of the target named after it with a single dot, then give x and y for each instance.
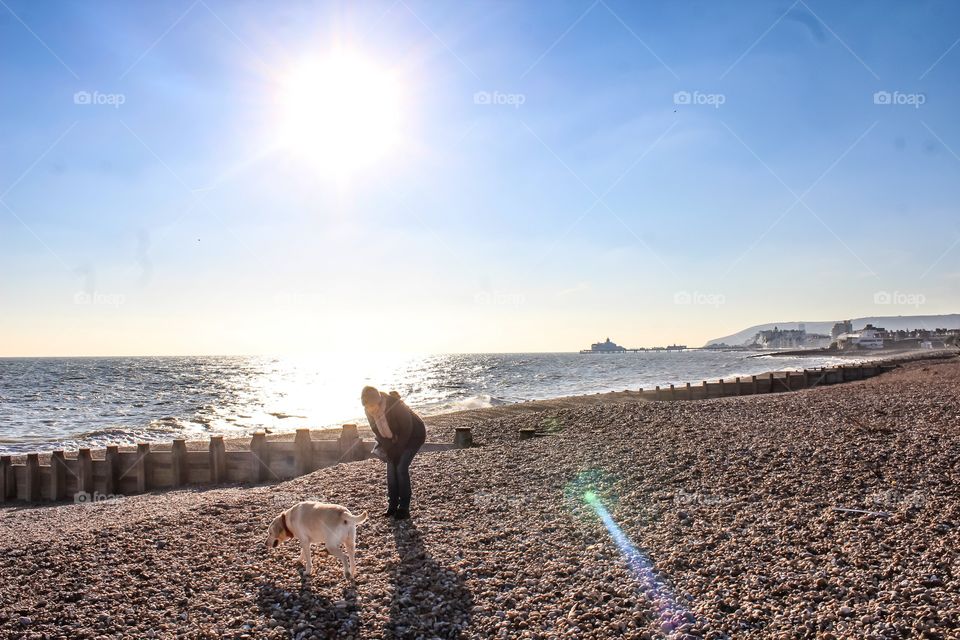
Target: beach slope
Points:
(829, 512)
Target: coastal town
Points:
(845, 336)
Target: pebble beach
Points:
(825, 513)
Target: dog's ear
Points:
(395, 394)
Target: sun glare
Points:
(339, 113)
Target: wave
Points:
(482, 401)
(125, 434)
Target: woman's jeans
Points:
(398, 476)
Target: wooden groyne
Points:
(774, 382)
(81, 478)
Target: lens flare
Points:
(671, 614)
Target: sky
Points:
(205, 177)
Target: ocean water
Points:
(52, 403)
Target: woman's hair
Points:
(369, 395)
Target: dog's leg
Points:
(337, 553)
(305, 557)
(350, 542)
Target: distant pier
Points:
(673, 347)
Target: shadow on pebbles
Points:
(422, 591)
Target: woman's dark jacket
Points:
(407, 427)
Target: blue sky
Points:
(658, 172)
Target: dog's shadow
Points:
(428, 600)
(299, 611)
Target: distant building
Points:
(841, 328)
(920, 335)
(777, 338)
(869, 337)
(606, 347)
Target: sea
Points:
(68, 403)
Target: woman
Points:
(400, 433)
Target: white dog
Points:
(319, 523)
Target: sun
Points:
(339, 113)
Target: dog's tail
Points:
(360, 519)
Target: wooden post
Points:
(723, 389)
(179, 474)
(771, 383)
(657, 392)
(6, 486)
(739, 386)
(350, 449)
(32, 477)
(141, 467)
(706, 389)
(218, 460)
(84, 472)
(112, 459)
(673, 393)
(756, 387)
(806, 379)
(303, 452)
(58, 476)
(689, 392)
(463, 438)
(259, 467)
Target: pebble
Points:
(721, 525)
